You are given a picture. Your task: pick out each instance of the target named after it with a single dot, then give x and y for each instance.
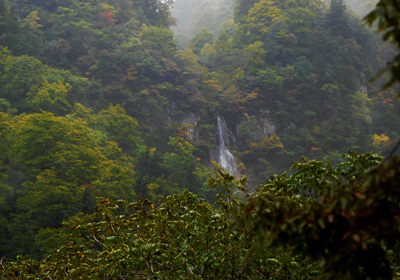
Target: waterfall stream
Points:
(226, 159)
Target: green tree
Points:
(6, 191)
(56, 166)
(44, 203)
(335, 214)
(200, 39)
(155, 12)
(181, 165)
(336, 18)
(21, 74)
(261, 16)
(49, 97)
(45, 141)
(183, 237)
(119, 127)
(9, 27)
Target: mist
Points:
(193, 15)
(361, 7)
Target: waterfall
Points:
(226, 159)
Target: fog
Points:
(361, 7)
(194, 15)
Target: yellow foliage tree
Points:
(381, 141)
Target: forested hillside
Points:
(94, 98)
(293, 80)
(128, 103)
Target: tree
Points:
(336, 19)
(5, 190)
(242, 8)
(9, 27)
(49, 97)
(21, 74)
(352, 222)
(258, 20)
(183, 237)
(346, 215)
(56, 167)
(156, 12)
(181, 165)
(200, 39)
(119, 127)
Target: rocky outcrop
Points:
(252, 128)
(190, 123)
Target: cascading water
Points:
(226, 159)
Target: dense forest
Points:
(137, 135)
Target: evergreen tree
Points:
(336, 20)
